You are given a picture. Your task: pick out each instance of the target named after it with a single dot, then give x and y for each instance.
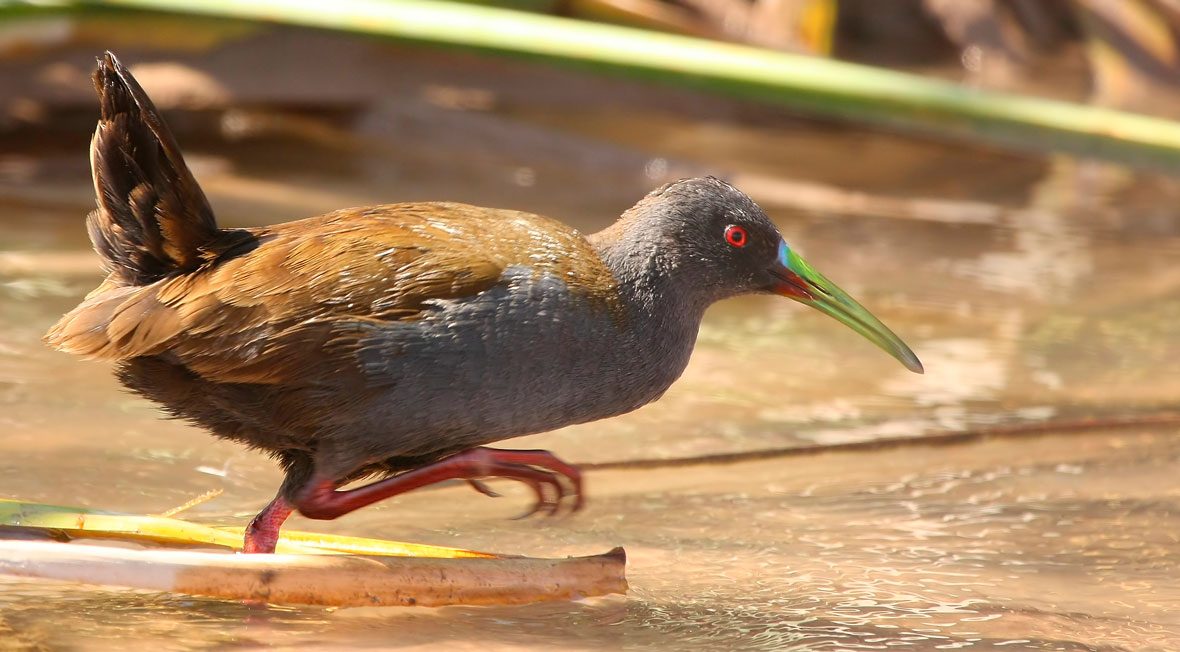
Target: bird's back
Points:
(267, 301)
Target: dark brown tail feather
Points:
(152, 218)
(152, 222)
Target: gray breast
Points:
(525, 357)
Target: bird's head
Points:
(716, 238)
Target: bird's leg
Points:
(537, 468)
(263, 532)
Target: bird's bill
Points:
(796, 279)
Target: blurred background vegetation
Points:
(1108, 53)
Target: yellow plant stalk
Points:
(81, 523)
(376, 573)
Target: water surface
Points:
(1035, 290)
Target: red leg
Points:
(538, 469)
(263, 532)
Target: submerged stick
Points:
(377, 572)
(321, 579)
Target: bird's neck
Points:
(650, 279)
(663, 309)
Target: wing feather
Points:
(289, 302)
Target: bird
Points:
(393, 343)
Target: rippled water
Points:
(1035, 290)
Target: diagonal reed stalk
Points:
(811, 85)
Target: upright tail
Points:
(152, 218)
(152, 222)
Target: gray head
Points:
(706, 232)
(696, 241)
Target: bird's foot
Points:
(262, 534)
(544, 472)
(539, 469)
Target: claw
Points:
(540, 480)
(482, 488)
(553, 468)
(542, 500)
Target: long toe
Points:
(499, 461)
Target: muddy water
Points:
(1035, 291)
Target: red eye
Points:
(736, 236)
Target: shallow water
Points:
(1035, 291)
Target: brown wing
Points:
(282, 302)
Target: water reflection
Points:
(1050, 252)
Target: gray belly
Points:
(515, 360)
